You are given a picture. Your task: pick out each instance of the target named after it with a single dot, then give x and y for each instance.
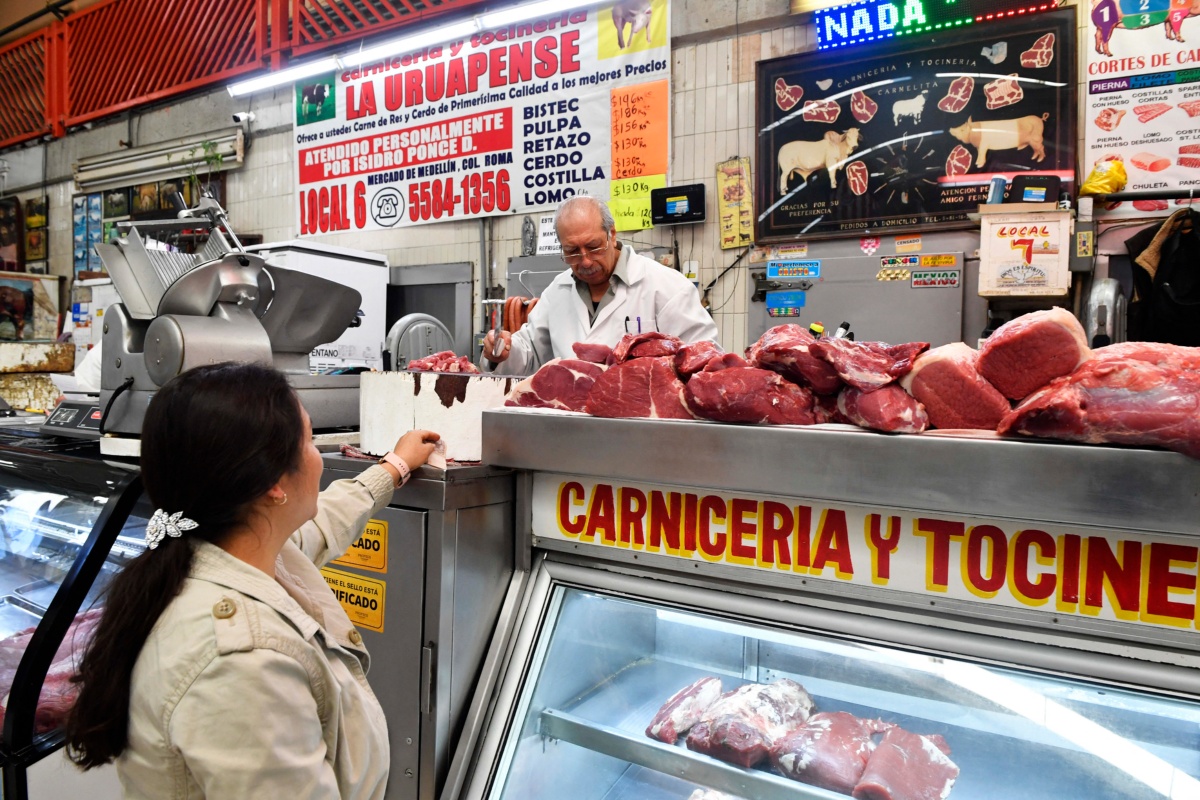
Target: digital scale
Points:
(78, 418)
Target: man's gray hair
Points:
(606, 217)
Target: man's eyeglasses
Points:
(573, 256)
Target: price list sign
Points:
(639, 151)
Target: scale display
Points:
(876, 20)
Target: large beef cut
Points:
(1026, 353)
(726, 361)
(641, 387)
(1041, 54)
(786, 95)
(1119, 399)
(889, 409)
(691, 358)
(596, 353)
(785, 349)
(1003, 92)
(825, 409)
(651, 344)
(958, 95)
(748, 394)
(562, 383)
(953, 392)
(862, 107)
(445, 361)
(1164, 355)
(867, 365)
(908, 766)
(742, 725)
(830, 750)
(683, 710)
(58, 690)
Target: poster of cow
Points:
(908, 137)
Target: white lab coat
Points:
(663, 299)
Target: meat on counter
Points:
(684, 709)
(954, 394)
(693, 357)
(596, 353)
(830, 750)
(1026, 353)
(908, 766)
(562, 383)
(651, 344)
(747, 394)
(868, 366)
(640, 387)
(445, 361)
(786, 349)
(741, 726)
(889, 409)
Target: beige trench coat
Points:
(253, 687)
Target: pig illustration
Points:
(634, 13)
(1003, 134)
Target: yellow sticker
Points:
(370, 551)
(362, 598)
(937, 261)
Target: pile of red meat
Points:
(58, 692)
(444, 361)
(868, 759)
(1136, 393)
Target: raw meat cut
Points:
(58, 690)
(1003, 92)
(953, 392)
(908, 766)
(1150, 111)
(445, 361)
(1164, 355)
(683, 710)
(857, 175)
(1151, 205)
(748, 394)
(726, 361)
(958, 162)
(785, 349)
(691, 358)
(596, 353)
(1192, 107)
(862, 107)
(1109, 118)
(957, 95)
(889, 409)
(1119, 398)
(867, 365)
(1151, 162)
(830, 750)
(786, 96)
(825, 409)
(1189, 161)
(1041, 54)
(562, 383)
(822, 111)
(743, 724)
(1026, 353)
(651, 344)
(641, 387)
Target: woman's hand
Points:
(415, 447)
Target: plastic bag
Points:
(1108, 177)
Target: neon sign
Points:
(879, 20)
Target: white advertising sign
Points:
(506, 121)
(1024, 254)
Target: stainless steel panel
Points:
(528, 276)
(1111, 487)
(441, 290)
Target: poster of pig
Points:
(882, 139)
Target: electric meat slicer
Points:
(180, 310)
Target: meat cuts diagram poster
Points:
(885, 140)
(507, 120)
(1143, 96)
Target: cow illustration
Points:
(805, 158)
(1107, 17)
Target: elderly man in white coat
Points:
(606, 292)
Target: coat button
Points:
(224, 609)
(355, 637)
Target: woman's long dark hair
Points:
(214, 440)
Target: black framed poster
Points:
(888, 139)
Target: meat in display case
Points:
(633, 688)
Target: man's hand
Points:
(489, 345)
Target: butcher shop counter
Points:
(1030, 605)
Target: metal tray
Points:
(17, 615)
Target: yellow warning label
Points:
(937, 261)
(370, 551)
(362, 598)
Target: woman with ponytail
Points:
(223, 666)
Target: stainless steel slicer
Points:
(181, 310)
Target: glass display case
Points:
(594, 660)
(67, 525)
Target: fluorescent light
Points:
(408, 44)
(289, 75)
(499, 19)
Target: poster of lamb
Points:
(900, 138)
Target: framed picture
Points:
(37, 267)
(35, 244)
(28, 307)
(169, 193)
(12, 235)
(144, 198)
(116, 203)
(35, 213)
